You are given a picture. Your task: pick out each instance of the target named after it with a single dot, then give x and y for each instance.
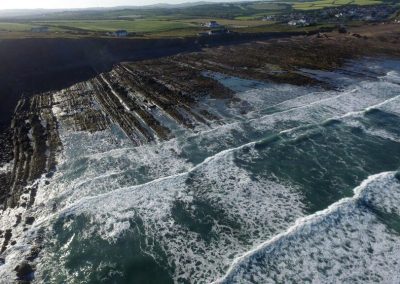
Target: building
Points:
(299, 23)
(120, 33)
(39, 29)
(268, 18)
(212, 24)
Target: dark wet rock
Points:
(397, 175)
(49, 174)
(6, 151)
(2, 260)
(40, 237)
(5, 179)
(29, 220)
(25, 272)
(34, 253)
(18, 220)
(32, 196)
(35, 143)
(7, 238)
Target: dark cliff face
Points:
(33, 65)
(30, 66)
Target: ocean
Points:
(297, 184)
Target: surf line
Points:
(283, 111)
(76, 204)
(286, 131)
(71, 207)
(312, 219)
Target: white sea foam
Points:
(155, 199)
(261, 208)
(102, 176)
(345, 243)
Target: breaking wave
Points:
(184, 210)
(353, 240)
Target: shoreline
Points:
(34, 65)
(37, 65)
(154, 67)
(129, 93)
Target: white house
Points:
(298, 23)
(212, 24)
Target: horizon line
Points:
(132, 6)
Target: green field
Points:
(269, 6)
(150, 27)
(244, 23)
(173, 21)
(15, 27)
(320, 4)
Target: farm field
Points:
(320, 4)
(171, 22)
(151, 28)
(230, 23)
(15, 27)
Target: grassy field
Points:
(184, 27)
(270, 6)
(244, 23)
(15, 27)
(174, 21)
(320, 4)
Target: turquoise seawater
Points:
(301, 188)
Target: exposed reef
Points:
(35, 143)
